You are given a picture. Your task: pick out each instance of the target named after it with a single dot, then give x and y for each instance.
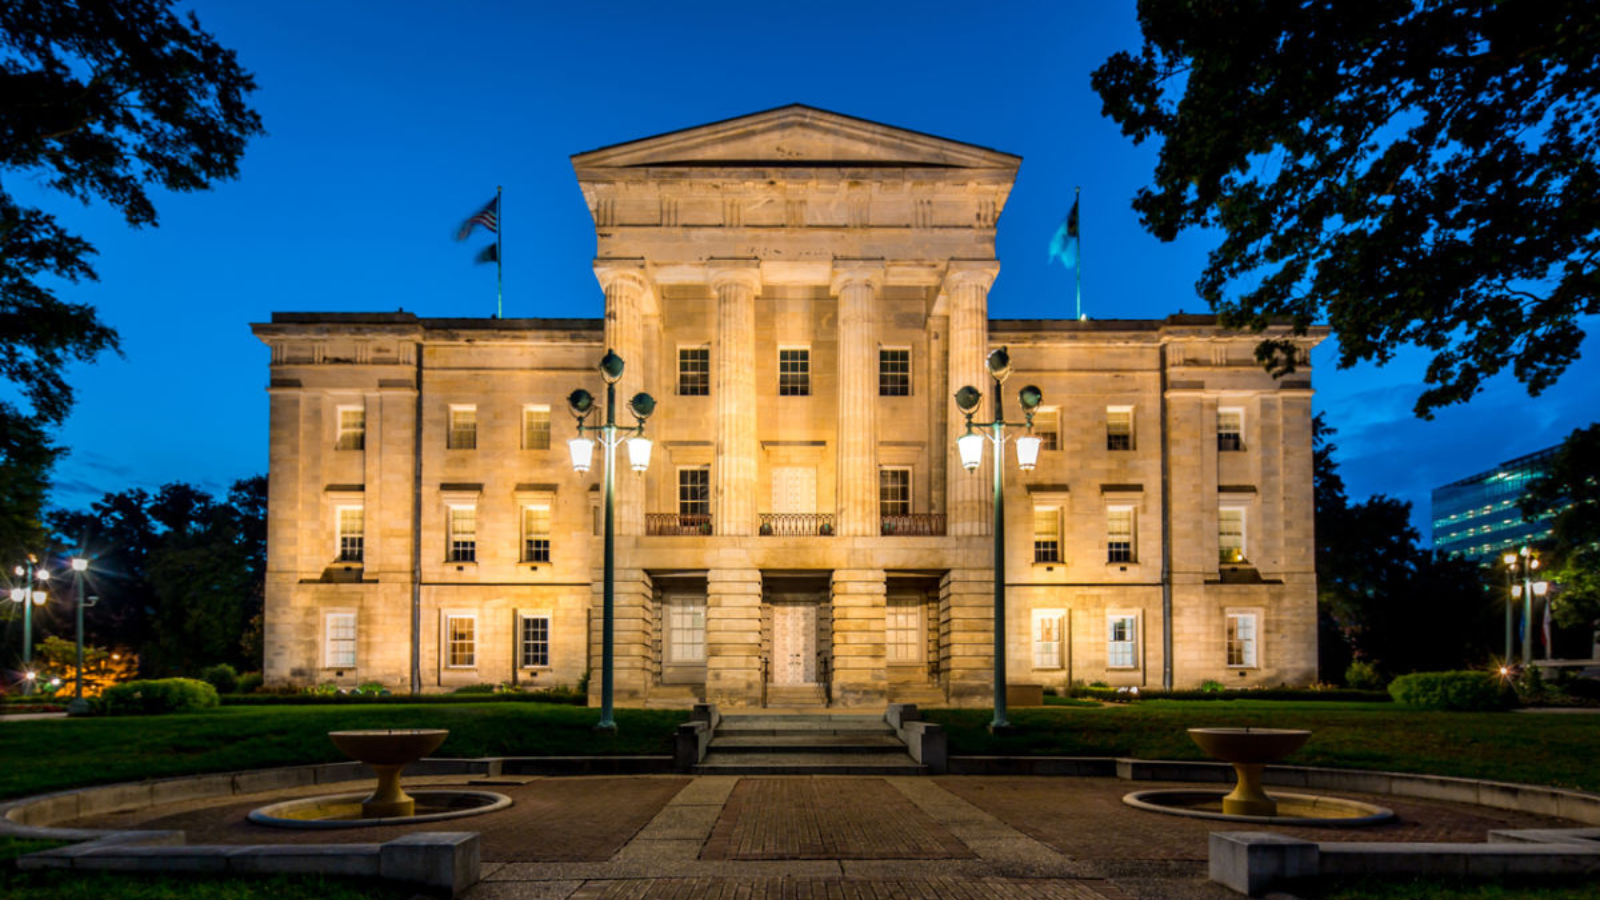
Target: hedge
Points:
(1342, 695)
(162, 695)
(567, 698)
(1459, 691)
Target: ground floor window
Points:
(1122, 634)
(903, 630)
(1242, 639)
(686, 630)
(533, 638)
(339, 648)
(461, 641)
(1047, 638)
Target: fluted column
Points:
(626, 290)
(857, 474)
(733, 391)
(967, 288)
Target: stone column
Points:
(857, 473)
(634, 612)
(970, 493)
(733, 390)
(966, 610)
(627, 291)
(860, 676)
(733, 637)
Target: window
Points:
(1230, 430)
(461, 641)
(533, 640)
(1119, 428)
(686, 630)
(536, 533)
(1047, 534)
(1047, 638)
(536, 428)
(463, 428)
(694, 371)
(463, 524)
(1047, 427)
(1230, 535)
(1122, 633)
(903, 630)
(1241, 639)
(694, 491)
(894, 373)
(339, 648)
(1119, 534)
(352, 429)
(352, 533)
(894, 492)
(794, 372)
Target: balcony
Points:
(796, 524)
(677, 524)
(914, 525)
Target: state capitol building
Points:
(803, 292)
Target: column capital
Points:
(745, 273)
(856, 271)
(980, 273)
(628, 275)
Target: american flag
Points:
(488, 217)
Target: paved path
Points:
(804, 837)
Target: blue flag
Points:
(1064, 245)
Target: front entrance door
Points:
(794, 643)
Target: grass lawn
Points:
(1531, 748)
(53, 754)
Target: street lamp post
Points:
(970, 446)
(29, 596)
(582, 449)
(1510, 560)
(78, 706)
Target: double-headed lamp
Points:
(639, 453)
(582, 450)
(971, 447)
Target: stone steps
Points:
(816, 744)
(786, 763)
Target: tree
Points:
(1571, 486)
(98, 100)
(1421, 172)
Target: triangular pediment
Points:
(795, 136)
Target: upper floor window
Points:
(1046, 534)
(533, 639)
(352, 533)
(352, 428)
(894, 373)
(694, 491)
(1230, 535)
(794, 371)
(463, 536)
(536, 533)
(536, 427)
(463, 433)
(694, 371)
(1119, 428)
(1120, 535)
(1242, 639)
(1230, 430)
(1122, 633)
(1047, 427)
(894, 492)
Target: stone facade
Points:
(802, 292)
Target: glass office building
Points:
(1480, 516)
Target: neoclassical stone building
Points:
(803, 292)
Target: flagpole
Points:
(499, 256)
(1079, 267)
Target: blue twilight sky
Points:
(390, 122)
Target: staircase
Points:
(820, 744)
(796, 696)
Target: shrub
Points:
(1584, 688)
(1211, 687)
(222, 677)
(371, 687)
(1460, 691)
(160, 696)
(474, 689)
(249, 683)
(1530, 685)
(1363, 676)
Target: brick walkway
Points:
(826, 818)
(845, 889)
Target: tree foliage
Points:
(1571, 487)
(99, 100)
(1421, 172)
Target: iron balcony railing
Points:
(677, 523)
(914, 525)
(796, 524)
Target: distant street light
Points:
(23, 594)
(970, 447)
(78, 706)
(582, 450)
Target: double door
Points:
(794, 643)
